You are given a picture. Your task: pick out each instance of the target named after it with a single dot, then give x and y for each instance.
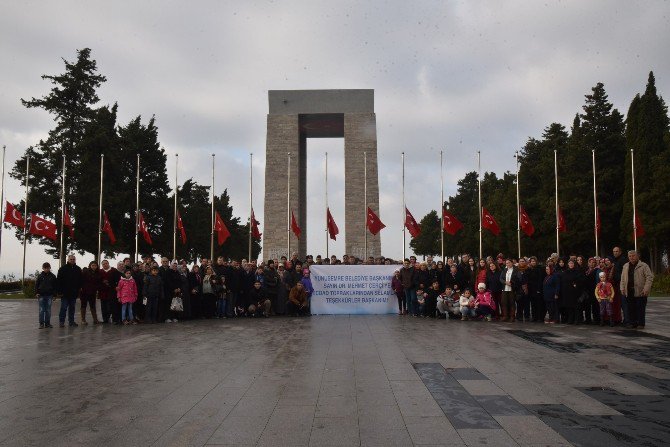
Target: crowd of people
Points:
(570, 290)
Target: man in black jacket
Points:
(45, 287)
(68, 286)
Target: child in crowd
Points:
(420, 301)
(153, 292)
(444, 302)
(467, 303)
(45, 287)
(126, 292)
(484, 302)
(605, 296)
(431, 299)
(396, 285)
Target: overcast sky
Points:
(452, 76)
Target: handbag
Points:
(144, 300)
(177, 304)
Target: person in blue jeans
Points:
(68, 284)
(45, 287)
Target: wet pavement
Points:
(333, 380)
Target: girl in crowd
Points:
(571, 287)
(126, 292)
(396, 285)
(195, 286)
(210, 289)
(467, 303)
(604, 293)
(494, 286)
(484, 302)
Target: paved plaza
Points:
(333, 380)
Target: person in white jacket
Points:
(467, 303)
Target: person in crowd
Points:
(482, 269)
(174, 286)
(636, 281)
(396, 286)
(484, 303)
(154, 292)
(258, 302)
(453, 279)
(126, 291)
(420, 302)
(68, 283)
(297, 301)
(522, 294)
(571, 288)
(430, 297)
(408, 276)
(589, 309)
(307, 284)
(138, 277)
(619, 260)
(470, 274)
(448, 303)
(560, 265)
(550, 292)
(91, 284)
(494, 286)
(213, 298)
(604, 293)
(608, 268)
(45, 288)
(535, 290)
(185, 288)
(467, 303)
(422, 276)
(509, 278)
(195, 286)
(440, 271)
(273, 288)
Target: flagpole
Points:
(211, 239)
(327, 235)
(595, 200)
(137, 208)
(288, 210)
(102, 168)
(25, 217)
(365, 194)
(2, 196)
(176, 192)
(62, 217)
(518, 206)
(251, 199)
(632, 171)
(441, 208)
(404, 208)
(479, 187)
(558, 245)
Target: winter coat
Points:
(485, 299)
(642, 276)
(69, 280)
(112, 277)
(91, 282)
(408, 277)
(307, 284)
(422, 279)
(297, 296)
(396, 285)
(126, 291)
(493, 281)
(46, 284)
(515, 279)
(153, 287)
(604, 291)
(551, 286)
(571, 287)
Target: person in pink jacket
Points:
(484, 304)
(126, 292)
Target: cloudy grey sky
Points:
(452, 76)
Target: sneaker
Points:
(168, 321)
(175, 320)
(41, 326)
(84, 323)
(61, 324)
(73, 325)
(133, 322)
(488, 318)
(48, 326)
(126, 322)
(463, 318)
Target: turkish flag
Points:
(221, 229)
(639, 229)
(14, 216)
(489, 222)
(333, 231)
(107, 228)
(255, 233)
(451, 223)
(143, 229)
(294, 226)
(525, 223)
(373, 223)
(411, 225)
(180, 227)
(42, 227)
(561, 221)
(597, 221)
(67, 221)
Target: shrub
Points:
(661, 285)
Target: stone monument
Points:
(294, 116)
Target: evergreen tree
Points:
(428, 241)
(194, 206)
(237, 245)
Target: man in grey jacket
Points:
(636, 280)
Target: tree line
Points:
(83, 132)
(598, 127)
